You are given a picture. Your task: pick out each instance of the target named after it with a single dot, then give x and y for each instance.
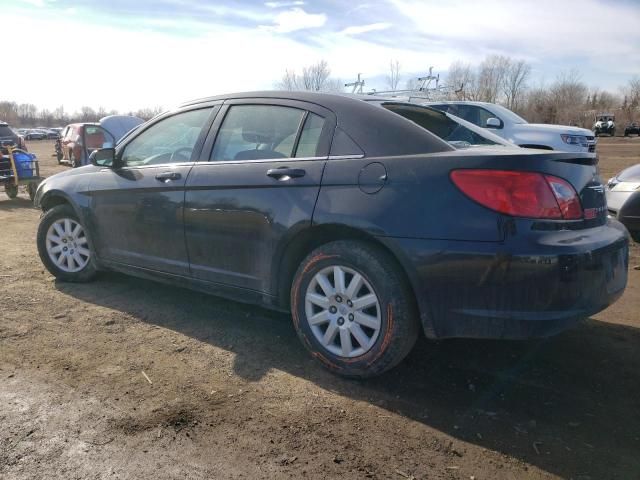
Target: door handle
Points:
(167, 176)
(284, 173)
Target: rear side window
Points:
(310, 136)
(251, 132)
(439, 124)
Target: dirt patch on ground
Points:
(125, 378)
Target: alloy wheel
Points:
(343, 311)
(67, 245)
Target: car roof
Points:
(355, 118)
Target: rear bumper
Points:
(532, 285)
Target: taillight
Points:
(521, 194)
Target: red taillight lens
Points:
(521, 194)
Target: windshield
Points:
(5, 131)
(507, 115)
(457, 132)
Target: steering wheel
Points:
(176, 153)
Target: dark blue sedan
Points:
(353, 214)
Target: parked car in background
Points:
(457, 132)
(7, 134)
(52, 134)
(605, 123)
(351, 214)
(623, 199)
(78, 140)
(35, 134)
(510, 126)
(632, 129)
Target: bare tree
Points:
(289, 81)
(515, 82)
(490, 79)
(463, 80)
(393, 79)
(568, 95)
(315, 78)
(412, 84)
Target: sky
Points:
(131, 54)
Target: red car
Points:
(77, 137)
(78, 140)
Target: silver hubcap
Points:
(343, 311)
(67, 245)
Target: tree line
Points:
(25, 115)
(499, 79)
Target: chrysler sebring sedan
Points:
(350, 214)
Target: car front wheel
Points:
(353, 309)
(64, 247)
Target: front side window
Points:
(171, 140)
(483, 116)
(251, 132)
(466, 112)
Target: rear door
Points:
(137, 208)
(256, 190)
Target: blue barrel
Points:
(25, 164)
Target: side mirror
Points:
(494, 123)
(103, 157)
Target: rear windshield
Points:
(5, 131)
(441, 125)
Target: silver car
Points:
(623, 199)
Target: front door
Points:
(137, 207)
(258, 188)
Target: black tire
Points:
(399, 322)
(48, 218)
(11, 191)
(635, 235)
(72, 159)
(31, 190)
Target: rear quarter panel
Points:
(419, 200)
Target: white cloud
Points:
(38, 3)
(283, 4)
(372, 27)
(296, 19)
(543, 31)
(157, 66)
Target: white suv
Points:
(511, 127)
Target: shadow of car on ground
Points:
(565, 404)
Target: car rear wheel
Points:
(64, 246)
(353, 310)
(72, 159)
(11, 191)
